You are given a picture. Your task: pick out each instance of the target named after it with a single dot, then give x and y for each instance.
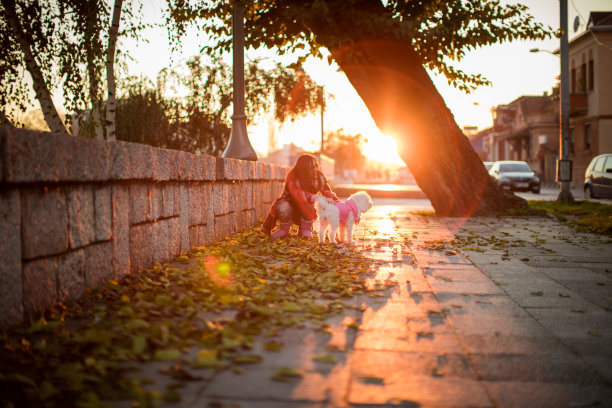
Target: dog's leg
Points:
(332, 233)
(342, 233)
(349, 230)
(322, 227)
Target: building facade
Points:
(590, 93)
(528, 128)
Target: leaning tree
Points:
(385, 49)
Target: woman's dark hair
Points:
(302, 170)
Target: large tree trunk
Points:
(403, 101)
(40, 87)
(111, 102)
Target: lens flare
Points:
(218, 271)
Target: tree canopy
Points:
(440, 31)
(63, 45)
(189, 109)
(346, 150)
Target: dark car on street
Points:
(598, 177)
(515, 176)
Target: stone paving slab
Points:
(525, 325)
(564, 368)
(547, 395)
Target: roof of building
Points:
(599, 18)
(531, 103)
(536, 104)
(480, 134)
(598, 21)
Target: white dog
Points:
(341, 215)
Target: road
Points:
(424, 205)
(388, 194)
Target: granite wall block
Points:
(44, 221)
(11, 287)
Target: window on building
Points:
(582, 81)
(591, 76)
(573, 80)
(587, 137)
(571, 140)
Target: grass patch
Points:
(586, 216)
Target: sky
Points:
(512, 69)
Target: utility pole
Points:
(564, 165)
(239, 146)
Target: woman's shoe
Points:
(305, 229)
(283, 230)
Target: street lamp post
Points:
(239, 146)
(564, 165)
(322, 99)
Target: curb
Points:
(344, 191)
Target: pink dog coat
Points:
(347, 207)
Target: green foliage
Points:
(142, 115)
(586, 216)
(37, 21)
(68, 39)
(295, 93)
(345, 149)
(200, 121)
(440, 31)
(201, 312)
(82, 53)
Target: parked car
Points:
(598, 177)
(515, 176)
(488, 165)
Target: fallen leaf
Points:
(594, 333)
(273, 346)
(167, 354)
(436, 372)
(177, 372)
(247, 359)
(367, 379)
(286, 374)
(325, 358)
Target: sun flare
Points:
(382, 148)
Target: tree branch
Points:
(40, 87)
(111, 102)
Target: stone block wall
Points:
(76, 212)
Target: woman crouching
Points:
(296, 203)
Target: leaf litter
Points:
(215, 300)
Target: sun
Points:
(382, 148)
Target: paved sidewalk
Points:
(515, 313)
